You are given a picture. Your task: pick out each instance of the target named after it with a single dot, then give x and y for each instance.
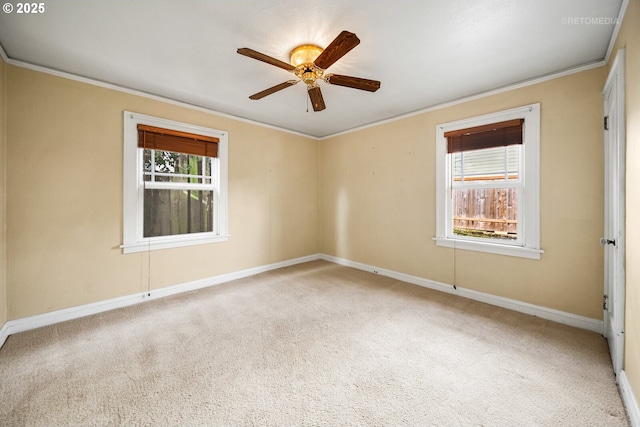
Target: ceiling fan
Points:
(309, 63)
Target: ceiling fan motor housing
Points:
(309, 75)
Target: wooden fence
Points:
(494, 211)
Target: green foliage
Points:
(173, 163)
(482, 234)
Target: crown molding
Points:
(136, 92)
(616, 29)
(479, 95)
(3, 54)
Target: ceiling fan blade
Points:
(265, 58)
(337, 49)
(273, 89)
(354, 82)
(316, 98)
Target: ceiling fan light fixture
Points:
(305, 54)
(308, 64)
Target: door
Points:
(614, 199)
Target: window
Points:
(175, 184)
(487, 177)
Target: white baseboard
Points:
(46, 319)
(223, 278)
(629, 399)
(32, 322)
(515, 305)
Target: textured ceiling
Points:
(425, 52)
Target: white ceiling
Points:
(425, 52)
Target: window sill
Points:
(493, 248)
(171, 242)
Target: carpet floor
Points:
(314, 344)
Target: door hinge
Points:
(605, 299)
(606, 122)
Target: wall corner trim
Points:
(3, 54)
(4, 334)
(629, 399)
(511, 304)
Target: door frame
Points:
(614, 255)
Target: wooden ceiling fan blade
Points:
(353, 82)
(316, 98)
(273, 89)
(265, 58)
(337, 49)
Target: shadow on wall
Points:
(342, 224)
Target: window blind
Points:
(155, 138)
(486, 136)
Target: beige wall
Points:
(64, 199)
(372, 199)
(378, 199)
(3, 258)
(629, 38)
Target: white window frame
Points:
(528, 243)
(133, 203)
